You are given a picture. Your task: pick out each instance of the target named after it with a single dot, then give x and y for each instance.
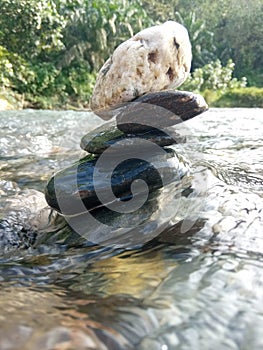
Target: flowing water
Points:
(196, 284)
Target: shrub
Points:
(31, 27)
(241, 97)
(213, 76)
(15, 72)
(43, 78)
(80, 82)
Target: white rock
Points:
(155, 59)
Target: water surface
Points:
(196, 285)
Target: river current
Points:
(196, 284)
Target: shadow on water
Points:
(197, 283)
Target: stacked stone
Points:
(133, 147)
(130, 90)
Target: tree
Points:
(237, 26)
(30, 27)
(95, 28)
(203, 48)
(239, 35)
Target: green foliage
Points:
(43, 79)
(10, 99)
(238, 33)
(95, 28)
(81, 82)
(236, 27)
(242, 97)
(213, 76)
(51, 50)
(62, 43)
(30, 27)
(18, 74)
(203, 48)
(160, 10)
(14, 70)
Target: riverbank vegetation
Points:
(51, 50)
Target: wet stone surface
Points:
(99, 139)
(126, 150)
(74, 190)
(160, 110)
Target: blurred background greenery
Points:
(51, 50)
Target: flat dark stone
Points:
(159, 110)
(98, 140)
(71, 191)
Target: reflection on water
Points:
(196, 285)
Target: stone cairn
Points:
(135, 92)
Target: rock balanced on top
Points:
(155, 59)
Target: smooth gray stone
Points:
(98, 140)
(71, 191)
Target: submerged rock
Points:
(23, 216)
(75, 189)
(154, 59)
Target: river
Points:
(196, 284)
